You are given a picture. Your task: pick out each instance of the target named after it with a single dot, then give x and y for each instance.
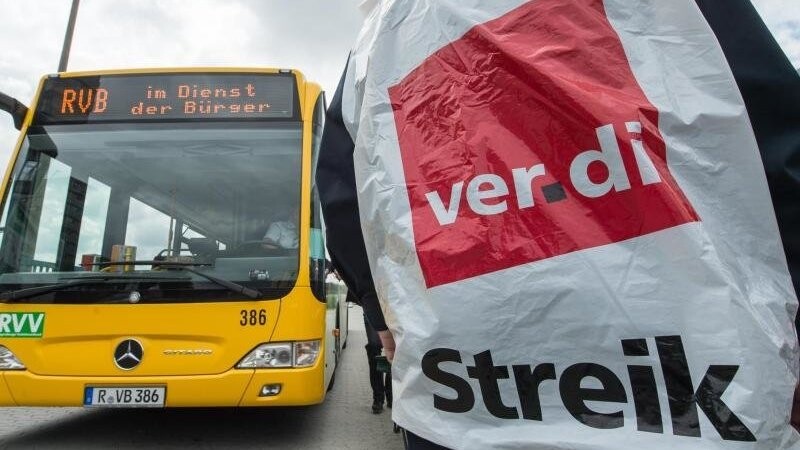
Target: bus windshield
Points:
(129, 205)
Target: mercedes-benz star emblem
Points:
(128, 354)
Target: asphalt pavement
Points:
(343, 421)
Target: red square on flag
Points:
(527, 138)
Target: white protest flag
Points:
(569, 227)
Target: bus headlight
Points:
(268, 355)
(305, 353)
(8, 361)
(283, 354)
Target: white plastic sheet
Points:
(569, 227)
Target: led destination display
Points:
(167, 97)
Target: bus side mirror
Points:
(15, 108)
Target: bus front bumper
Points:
(232, 388)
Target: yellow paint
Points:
(79, 340)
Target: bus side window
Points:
(317, 250)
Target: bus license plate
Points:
(127, 396)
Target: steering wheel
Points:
(259, 248)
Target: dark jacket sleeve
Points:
(337, 189)
(770, 87)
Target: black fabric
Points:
(337, 190)
(380, 382)
(351, 297)
(414, 442)
(770, 87)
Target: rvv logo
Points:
(22, 324)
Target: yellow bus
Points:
(162, 243)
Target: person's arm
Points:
(272, 236)
(337, 188)
(770, 87)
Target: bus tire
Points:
(347, 334)
(337, 353)
(330, 383)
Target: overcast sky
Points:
(311, 35)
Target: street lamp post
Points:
(62, 64)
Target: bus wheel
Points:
(330, 383)
(347, 316)
(338, 339)
(337, 349)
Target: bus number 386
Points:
(253, 317)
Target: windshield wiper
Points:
(30, 292)
(76, 281)
(235, 287)
(186, 267)
(79, 281)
